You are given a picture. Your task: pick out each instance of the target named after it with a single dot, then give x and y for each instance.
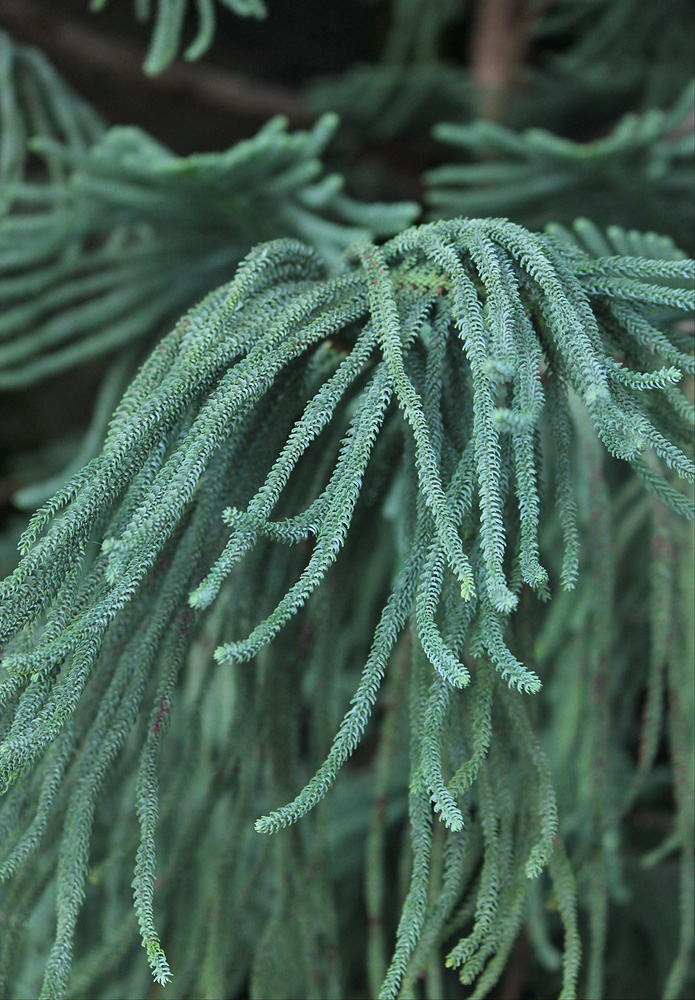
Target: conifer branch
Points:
(252, 451)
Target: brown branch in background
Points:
(502, 32)
(70, 40)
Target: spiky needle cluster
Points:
(634, 175)
(417, 410)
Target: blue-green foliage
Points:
(409, 84)
(642, 174)
(591, 61)
(169, 25)
(108, 236)
(137, 234)
(386, 550)
(340, 482)
(620, 47)
(36, 103)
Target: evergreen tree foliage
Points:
(137, 234)
(36, 103)
(169, 19)
(624, 46)
(633, 175)
(128, 235)
(589, 58)
(352, 653)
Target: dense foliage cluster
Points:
(351, 652)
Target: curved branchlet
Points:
(405, 416)
(136, 235)
(37, 103)
(169, 18)
(638, 175)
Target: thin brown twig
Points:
(501, 39)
